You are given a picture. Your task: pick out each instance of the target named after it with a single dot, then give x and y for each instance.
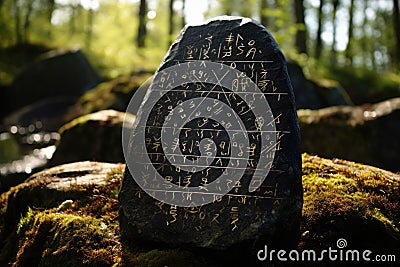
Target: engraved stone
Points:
(214, 156)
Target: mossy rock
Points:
(114, 94)
(51, 239)
(96, 136)
(347, 200)
(38, 226)
(368, 134)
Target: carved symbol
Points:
(195, 136)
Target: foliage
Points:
(366, 85)
(106, 31)
(114, 94)
(25, 221)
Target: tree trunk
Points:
(17, 22)
(141, 34)
(396, 27)
(72, 26)
(301, 35)
(367, 49)
(318, 45)
(349, 48)
(263, 16)
(50, 10)
(170, 21)
(336, 4)
(227, 7)
(89, 29)
(183, 13)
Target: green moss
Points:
(115, 173)
(344, 199)
(113, 94)
(161, 258)
(52, 239)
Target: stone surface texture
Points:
(96, 136)
(240, 219)
(342, 199)
(315, 94)
(367, 134)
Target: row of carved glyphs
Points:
(234, 46)
(205, 218)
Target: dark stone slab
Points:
(216, 157)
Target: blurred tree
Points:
(396, 28)
(50, 9)
(76, 11)
(367, 45)
(24, 20)
(263, 12)
(372, 40)
(318, 43)
(226, 7)
(349, 47)
(336, 4)
(301, 34)
(141, 34)
(89, 26)
(170, 21)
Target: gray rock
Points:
(367, 134)
(257, 210)
(312, 94)
(55, 74)
(96, 136)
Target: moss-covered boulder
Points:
(68, 216)
(96, 136)
(114, 94)
(54, 74)
(347, 200)
(368, 134)
(65, 216)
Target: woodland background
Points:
(356, 42)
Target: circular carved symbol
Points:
(201, 128)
